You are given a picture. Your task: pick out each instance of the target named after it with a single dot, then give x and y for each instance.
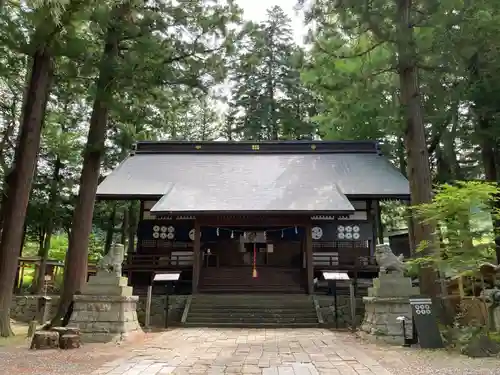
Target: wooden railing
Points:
(334, 261)
(146, 262)
(184, 259)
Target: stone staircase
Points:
(251, 310)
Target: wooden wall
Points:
(349, 236)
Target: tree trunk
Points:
(419, 174)
(75, 270)
(18, 190)
(110, 231)
(403, 167)
(53, 202)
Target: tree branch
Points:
(368, 18)
(352, 56)
(364, 78)
(434, 68)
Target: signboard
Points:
(335, 275)
(425, 323)
(170, 276)
(332, 277)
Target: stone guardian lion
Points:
(112, 261)
(387, 261)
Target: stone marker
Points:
(106, 310)
(45, 340)
(388, 299)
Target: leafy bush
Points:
(462, 214)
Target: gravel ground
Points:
(399, 361)
(18, 359)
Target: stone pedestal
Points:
(106, 309)
(387, 300)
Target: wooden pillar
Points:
(309, 258)
(379, 227)
(196, 256)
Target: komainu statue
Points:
(387, 261)
(112, 261)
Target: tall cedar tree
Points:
(21, 178)
(75, 267)
(269, 100)
(371, 27)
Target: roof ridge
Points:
(249, 147)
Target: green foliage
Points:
(394, 215)
(268, 100)
(59, 246)
(459, 211)
(353, 70)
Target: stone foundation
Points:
(106, 310)
(327, 310)
(105, 318)
(388, 299)
(380, 321)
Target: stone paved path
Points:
(237, 351)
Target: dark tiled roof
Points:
(190, 180)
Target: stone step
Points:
(248, 290)
(223, 319)
(251, 306)
(250, 309)
(254, 299)
(270, 313)
(260, 296)
(251, 325)
(252, 320)
(256, 310)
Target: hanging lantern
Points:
(282, 233)
(217, 232)
(254, 270)
(232, 234)
(296, 230)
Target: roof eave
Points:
(127, 197)
(403, 197)
(252, 212)
(114, 197)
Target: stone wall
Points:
(24, 308)
(176, 305)
(327, 309)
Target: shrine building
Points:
(267, 217)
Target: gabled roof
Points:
(276, 176)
